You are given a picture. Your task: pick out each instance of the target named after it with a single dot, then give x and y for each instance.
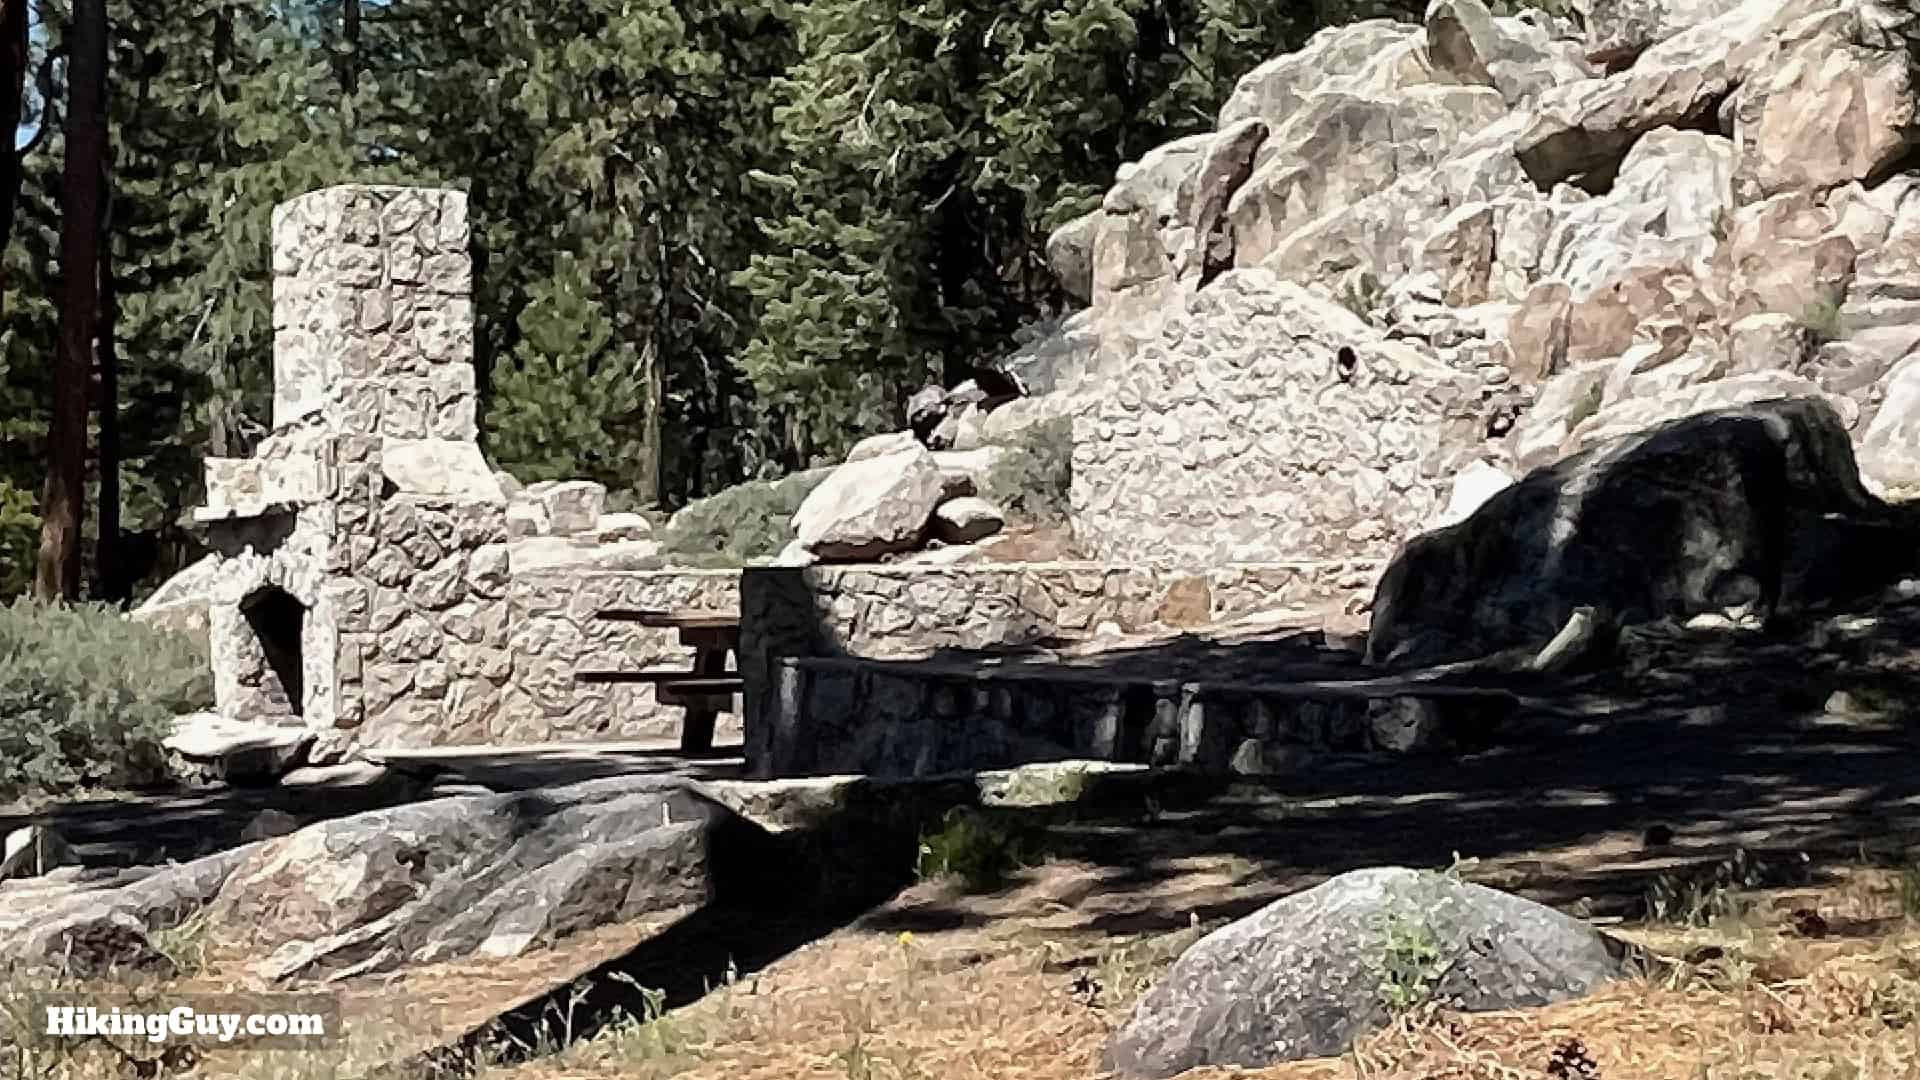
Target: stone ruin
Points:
(364, 555)
(376, 581)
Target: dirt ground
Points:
(1747, 807)
(1744, 807)
(1768, 991)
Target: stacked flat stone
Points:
(373, 316)
(1663, 210)
(372, 508)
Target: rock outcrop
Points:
(1306, 975)
(90, 923)
(889, 497)
(184, 603)
(454, 877)
(1745, 512)
(487, 876)
(1683, 207)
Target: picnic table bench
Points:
(705, 691)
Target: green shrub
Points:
(86, 696)
(1033, 479)
(979, 849)
(19, 540)
(1822, 319)
(1412, 963)
(745, 522)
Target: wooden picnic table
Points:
(704, 692)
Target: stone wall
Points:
(554, 635)
(372, 575)
(902, 612)
(836, 715)
(1266, 422)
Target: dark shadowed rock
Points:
(1305, 976)
(1749, 510)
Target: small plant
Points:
(649, 1036)
(1719, 892)
(1412, 963)
(1822, 320)
(1121, 973)
(978, 850)
(858, 1061)
(1033, 478)
(1362, 293)
(86, 696)
(184, 944)
(19, 540)
(1910, 892)
(745, 522)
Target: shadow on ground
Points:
(1794, 746)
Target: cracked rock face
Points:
(1685, 207)
(1307, 975)
(486, 876)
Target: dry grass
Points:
(1819, 982)
(1805, 984)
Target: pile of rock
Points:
(956, 419)
(565, 523)
(1672, 209)
(894, 497)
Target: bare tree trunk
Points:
(83, 189)
(348, 62)
(13, 84)
(109, 583)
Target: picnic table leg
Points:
(696, 731)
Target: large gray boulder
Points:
(1307, 975)
(88, 923)
(871, 507)
(489, 876)
(1756, 508)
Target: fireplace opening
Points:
(277, 620)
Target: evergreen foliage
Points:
(86, 696)
(715, 240)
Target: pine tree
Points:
(82, 210)
(605, 166)
(13, 83)
(931, 147)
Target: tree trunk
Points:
(109, 583)
(348, 61)
(82, 195)
(13, 83)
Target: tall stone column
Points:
(373, 365)
(372, 313)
